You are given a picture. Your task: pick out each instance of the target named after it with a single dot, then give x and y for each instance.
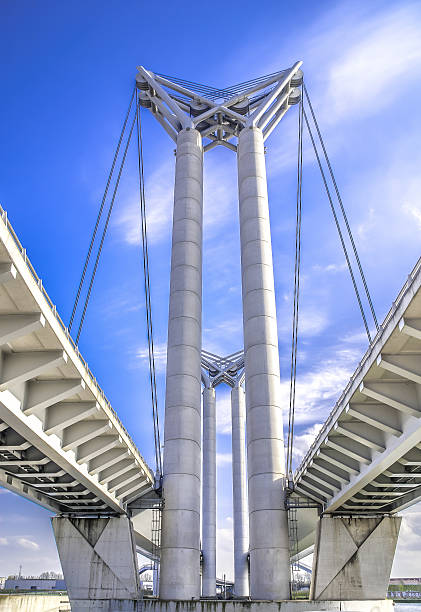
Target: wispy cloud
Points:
(159, 201)
(225, 539)
(223, 411)
(318, 388)
(160, 356)
(303, 441)
(223, 459)
(27, 543)
(378, 52)
(4, 541)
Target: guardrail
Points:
(53, 308)
(334, 413)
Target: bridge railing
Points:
(371, 349)
(53, 308)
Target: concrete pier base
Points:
(54, 603)
(268, 606)
(98, 558)
(353, 557)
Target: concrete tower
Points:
(240, 118)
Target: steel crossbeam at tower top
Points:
(198, 123)
(177, 107)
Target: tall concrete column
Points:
(180, 549)
(239, 492)
(209, 494)
(269, 554)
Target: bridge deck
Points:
(61, 443)
(367, 457)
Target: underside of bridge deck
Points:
(61, 444)
(367, 457)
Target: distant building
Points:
(2, 581)
(34, 584)
(404, 581)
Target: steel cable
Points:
(104, 197)
(152, 371)
(104, 231)
(338, 228)
(294, 344)
(343, 211)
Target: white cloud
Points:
(378, 54)
(223, 459)
(3, 541)
(225, 546)
(317, 390)
(311, 322)
(303, 441)
(160, 356)
(406, 561)
(159, 204)
(220, 189)
(223, 411)
(333, 267)
(222, 336)
(26, 543)
(413, 211)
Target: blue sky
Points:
(66, 82)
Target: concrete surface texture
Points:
(269, 606)
(180, 548)
(98, 557)
(52, 408)
(209, 494)
(22, 602)
(269, 548)
(56, 603)
(353, 557)
(239, 492)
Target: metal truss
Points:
(217, 370)
(219, 116)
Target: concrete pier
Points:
(180, 550)
(98, 558)
(209, 494)
(269, 550)
(353, 557)
(53, 603)
(239, 492)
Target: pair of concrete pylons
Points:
(262, 556)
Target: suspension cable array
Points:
(98, 219)
(294, 345)
(351, 238)
(152, 373)
(213, 93)
(151, 357)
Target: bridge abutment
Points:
(353, 557)
(98, 558)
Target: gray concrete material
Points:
(269, 547)
(98, 557)
(239, 492)
(32, 602)
(374, 428)
(353, 557)
(180, 548)
(53, 603)
(209, 494)
(50, 398)
(382, 605)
